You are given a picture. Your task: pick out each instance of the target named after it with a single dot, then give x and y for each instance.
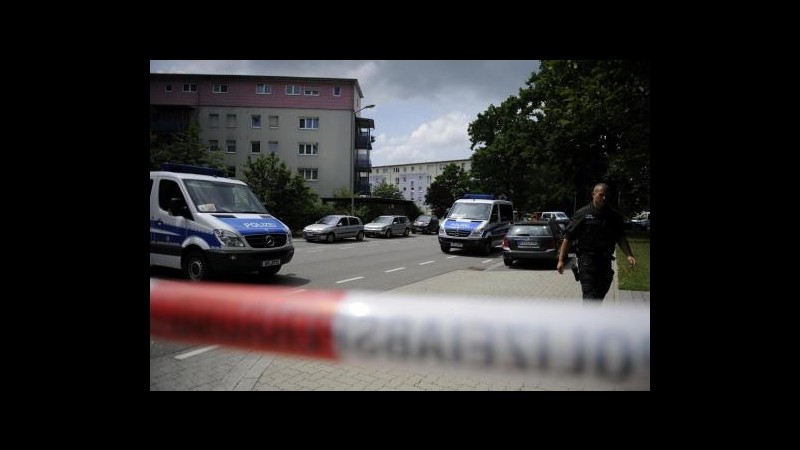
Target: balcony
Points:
(364, 142)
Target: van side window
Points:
(506, 213)
(495, 214)
(168, 189)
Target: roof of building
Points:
(259, 77)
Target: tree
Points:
(446, 188)
(285, 196)
(575, 124)
(183, 148)
(386, 190)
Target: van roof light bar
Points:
(479, 196)
(187, 168)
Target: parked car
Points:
(425, 224)
(641, 221)
(388, 226)
(532, 240)
(559, 216)
(331, 228)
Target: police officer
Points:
(597, 227)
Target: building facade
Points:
(414, 179)
(311, 124)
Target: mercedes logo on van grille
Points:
(269, 241)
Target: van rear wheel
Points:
(196, 266)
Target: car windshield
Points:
(560, 215)
(329, 220)
(529, 230)
(383, 219)
(216, 196)
(473, 211)
(423, 219)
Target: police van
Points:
(203, 223)
(476, 222)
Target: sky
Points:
(422, 108)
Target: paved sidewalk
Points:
(242, 370)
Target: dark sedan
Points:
(532, 240)
(425, 224)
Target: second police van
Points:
(202, 222)
(476, 222)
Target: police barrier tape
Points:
(610, 344)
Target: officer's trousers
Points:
(596, 275)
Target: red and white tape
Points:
(518, 336)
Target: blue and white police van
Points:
(476, 222)
(203, 223)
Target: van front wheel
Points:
(196, 266)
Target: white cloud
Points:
(442, 138)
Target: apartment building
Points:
(413, 179)
(312, 124)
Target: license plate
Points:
(456, 245)
(271, 262)
(528, 244)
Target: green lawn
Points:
(637, 278)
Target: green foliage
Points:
(446, 188)
(386, 190)
(183, 148)
(285, 196)
(575, 124)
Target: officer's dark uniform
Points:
(597, 234)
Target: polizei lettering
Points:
(260, 225)
(513, 347)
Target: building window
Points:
(430, 178)
(273, 121)
(213, 120)
(168, 88)
(309, 174)
(397, 181)
(309, 123)
(255, 146)
(220, 88)
(262, 88)
(273, 147)
(213, 145)
(190, 87)
(396, 170)
(255, 120)
(310, 90)
(231, 171)
(292, 89)
(337, 91)
(231, 121)
(231, 146)
(308, 149)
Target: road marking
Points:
(393, 270)
(346, 247)
(296, 291)
(454, 256)
(315, 251)
(349, 279)
(196, 352)
(426, 262)
(487, 261)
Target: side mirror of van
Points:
(177, 207)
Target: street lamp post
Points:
(352, 162)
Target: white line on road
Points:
(349, 279)
(196, 352)
(487, 261)
(347, 247)
(454, 256)
(426, 262)
(393, 270)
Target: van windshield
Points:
(473, 211)
(215, 196)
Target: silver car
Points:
(388, 226)
(331, 228)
